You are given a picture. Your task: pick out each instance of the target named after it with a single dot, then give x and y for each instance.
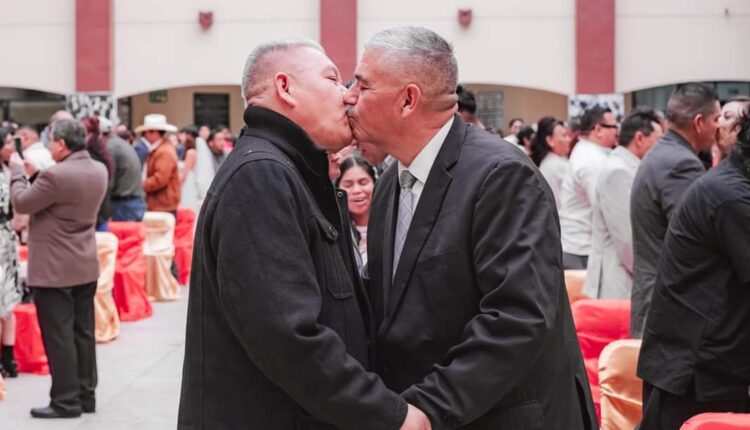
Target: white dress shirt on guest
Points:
(609, 274)
(577, 196)
(38, 154)
(555, 168)
(422, 164)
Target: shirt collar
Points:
(598, 147)
(423, 162)
(150, 146)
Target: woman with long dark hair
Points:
(96, 144)
(358, 180)
(10, 288)
(549, 150)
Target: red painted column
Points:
(94, 35)
(338, 34)
(595, 46)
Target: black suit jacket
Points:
(277, 317)
(663, 176)
(476, 328)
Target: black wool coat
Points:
(277, 330)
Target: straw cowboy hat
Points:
(155, 121)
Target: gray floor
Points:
(139, 380)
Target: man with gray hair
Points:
(278, 319)
(472, 317)
(63, 201)
(663, 175)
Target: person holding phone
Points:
(10, 289)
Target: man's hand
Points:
(416, 420)
(15, 161)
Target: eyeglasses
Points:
(609, 125)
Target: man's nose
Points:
(351, 95)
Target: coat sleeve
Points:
(269, 291)
(677, 181)
(32, 198)
(515, 241)
(733, 226)
(159, 178)
(613, 198)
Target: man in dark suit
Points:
(473, 321)
(695, 356)
(63, 201)
(663, 176)
(278, 318)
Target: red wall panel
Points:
(595, 46)
(94, 45)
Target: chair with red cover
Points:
(183, 243)
(129, 289)
(598, 323)
(29, 348)
(718, 421)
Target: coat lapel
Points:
(389, 233)
(423, 221)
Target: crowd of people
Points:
(58, 188)
(370, 256)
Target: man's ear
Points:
(282, 86)
(699, 122)
(411, 100)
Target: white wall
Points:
(510, 42)
(38, 50)
(668, 41)
(159, 44)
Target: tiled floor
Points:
(139, 380)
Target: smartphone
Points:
(19, 146)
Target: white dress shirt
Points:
(554, 168)
(577, 196)
(422, 164)
(38, 154)
(610, 268)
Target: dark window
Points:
(211, 109)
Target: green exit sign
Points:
(157, 96)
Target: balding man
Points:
(277, 319)
(473, 321)
(33, 149)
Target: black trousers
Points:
(66, 318)
(667, 411)
(575, 262)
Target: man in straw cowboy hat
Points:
(162, 183)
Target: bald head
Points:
(268, 59)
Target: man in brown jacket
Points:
(63, 201)
(162, 183)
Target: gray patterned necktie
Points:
(405, 212)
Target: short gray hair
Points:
(70, 131)
(255, 64)
(418, 50)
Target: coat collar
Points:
(291, 139)
(675, 137)
(77, 155)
